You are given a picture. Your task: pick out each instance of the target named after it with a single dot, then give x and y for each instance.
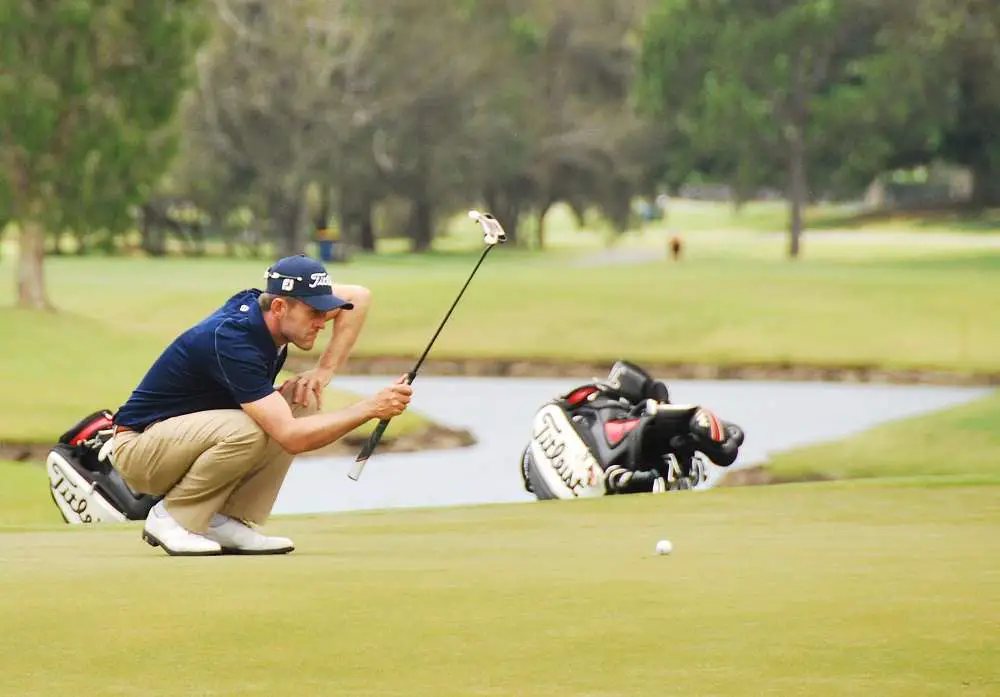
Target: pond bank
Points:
(439, 437)
(543, 368)
(777, 416)
(431, 437)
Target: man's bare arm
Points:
(298, 435)
(347, 325)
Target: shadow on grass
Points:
(959, 218)
(983, 261)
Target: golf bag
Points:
(623, 436)
(84, 485)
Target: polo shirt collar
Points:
(261, 333)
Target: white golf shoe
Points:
(161, 530)
(235, 537)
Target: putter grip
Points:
(368, 449)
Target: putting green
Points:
(812, 589)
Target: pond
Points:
(776, 416)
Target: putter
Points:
(493, 234)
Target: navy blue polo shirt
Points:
(226, 360)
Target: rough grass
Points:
(890, 314)
(884, 586)
(961, 442)
(828, 590)
(58, 368)
(724, 304)
(735, 299)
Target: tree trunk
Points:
(355, 214)
(985, 184)
(501, 206)
(154, 239)
(356, 224)
(798, 192)
(367, 233)
(321, 220)
(285, 215)
(54, 249)
(198, 240)
(541, 223)
(795, 133)
(421, 225)
(30, 271)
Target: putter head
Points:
(493, 232)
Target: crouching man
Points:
(206, 428)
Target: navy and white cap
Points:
(304, 279)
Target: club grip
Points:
(373, 439)
(368, 449)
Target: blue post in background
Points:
(329, 245)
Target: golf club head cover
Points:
(719, 440)
(634, 384)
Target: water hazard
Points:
(776, 417)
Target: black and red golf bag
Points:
(84, 485)
(623, 436)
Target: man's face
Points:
(299, 323)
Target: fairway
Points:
(735, 300)
(810, 589)
(750, 256)
(886, 587)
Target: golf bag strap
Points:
(635, 476)
(619, 480)
(635, 442)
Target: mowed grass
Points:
(814, 589)
(849, 305)
(888, 585)
(24, 496)
(961, 444)
(734, 300)
(915, 314)
(56, 368)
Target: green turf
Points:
(690, 216)
(735, 299)
(714, 311)
(884, 586)
(963, 441)
(61, 367)
(725, 304)
(24, 496)
(825, 589)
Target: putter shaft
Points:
(373, 440)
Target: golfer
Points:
(206, 428)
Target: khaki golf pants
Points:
(217, 461)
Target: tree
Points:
(570, 133)
(275, 101)
(443, 107)
(971, 59)
(754, 82)
(88, 91)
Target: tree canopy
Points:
(88, 91)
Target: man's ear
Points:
(280, 306)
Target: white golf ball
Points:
(664, 547)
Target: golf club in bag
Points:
(622, 435)
(84, 485)
(493, 234)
